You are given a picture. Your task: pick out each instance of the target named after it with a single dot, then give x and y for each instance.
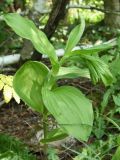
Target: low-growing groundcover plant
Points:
(36, 84)
(12, 149)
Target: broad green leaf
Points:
(72, 72)
(7, 93)
(75, 36)
(27, 29)
(96, 48)
(27, 83)
(117, 154)
(72, 110)
(54, 135)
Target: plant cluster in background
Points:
(91, 16)
(12, 149)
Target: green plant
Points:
(12, 149)
(112, 93)
(37, 86)
(100, 149)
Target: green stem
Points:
(45, 130)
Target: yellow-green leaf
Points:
(1, 85)
(9, 80)
(7, 92)
(3, 78)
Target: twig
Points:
(9, 69)
(93, 8)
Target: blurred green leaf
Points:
(72, 72)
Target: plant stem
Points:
(45, 127)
